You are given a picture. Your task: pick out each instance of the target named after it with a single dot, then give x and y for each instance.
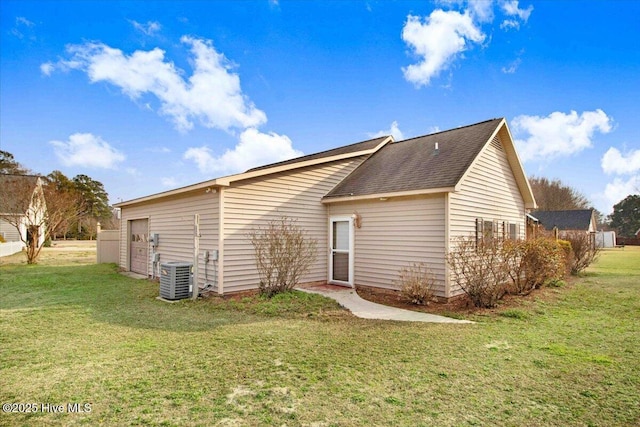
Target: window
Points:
(514, 231)
(487, 230)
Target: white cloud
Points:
(440, 38)
(614, 162)
(437, 41)
(211, 95)
(85, 149)
(47, 68)
(23, 28)
(482, 10)
(150, 28)
(161, 150)
(508, 24)
(616, 191)
(558, 134)
(394, 131)
(254, 149)
(169, 182)
(512, 8)
(513, 67)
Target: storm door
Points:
(341, 251)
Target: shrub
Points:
(283, 254)
(585, 251)
(565, 245)
(2, 239)
(416, 284)
(532, 263)
(480, 269)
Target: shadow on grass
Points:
(100, 292)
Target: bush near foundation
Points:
(534, 263)
(480, 269)
(284, 253)
(417, 284)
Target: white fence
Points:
(108, 247)
(10, 248)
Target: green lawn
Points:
(84, 334)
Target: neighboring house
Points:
(373, 208)
(566, 221)
(21, 204)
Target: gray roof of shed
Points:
(565, 220)
(352, 148)
(414, 164)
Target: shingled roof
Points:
(352, 148)
(565, 220)
(415, 164)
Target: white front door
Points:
(341, 250)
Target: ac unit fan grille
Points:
(175, 278)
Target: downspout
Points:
(220, 241)
(447, 246)
(196, 250)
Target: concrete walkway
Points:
(349, 299)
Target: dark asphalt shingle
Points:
(565, 220)
(414, 164)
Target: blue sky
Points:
(148, 96)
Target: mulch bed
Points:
(461, 305)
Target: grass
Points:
(82, 333)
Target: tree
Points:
(626, 216)
(96, 202)
(8, 165)
(37, 207)
(283, 254)
(556, 196)
(59, 181)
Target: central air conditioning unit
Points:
(175, 280)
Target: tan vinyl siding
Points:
(173, 219)
(295, 194)
(395, 233)
(489, 191)
(9, 232)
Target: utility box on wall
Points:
(175, 279)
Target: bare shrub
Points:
(283, 254)
(416, 283)
(585, 251)
(567, 251)
(480, 269)
(533, 263)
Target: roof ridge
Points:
(451, 130)
(318, 154)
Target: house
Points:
(568, 220)
(373, 207)
(22, 210)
